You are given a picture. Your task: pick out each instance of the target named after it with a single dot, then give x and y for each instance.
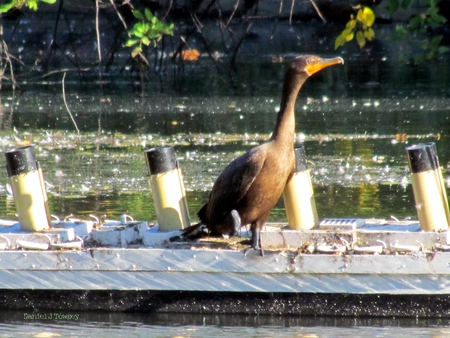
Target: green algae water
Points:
(357, 155)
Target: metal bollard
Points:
(27, 183)
(428, 187)
(298, 196)
(167, 187)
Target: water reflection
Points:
(169, 319)
(184, 325)
(232, 115)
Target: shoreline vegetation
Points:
(41, 40)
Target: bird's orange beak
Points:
(320, 64)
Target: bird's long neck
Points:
(285, 125)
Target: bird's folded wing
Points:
(236, 179)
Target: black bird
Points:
(250, 186)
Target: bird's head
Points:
(310, 64)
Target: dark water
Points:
(173, 325)
(354, 120)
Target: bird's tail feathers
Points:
(193, 232)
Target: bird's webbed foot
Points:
(253, 252)
(255, 247)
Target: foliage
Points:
(416, 32)
(148, 30)
(359, 27)
(395, 5)
(419, 32)
(33, 4)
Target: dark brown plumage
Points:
(250, 186)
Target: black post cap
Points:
(300, 159)
(423, 157)
(20, 161)
(160, 160)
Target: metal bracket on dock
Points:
(119, 234)
(362, 236)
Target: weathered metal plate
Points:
(212, 261)
(225, 282)
(220, 270)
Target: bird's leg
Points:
(256, 239)
(255, 236)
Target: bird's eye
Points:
(311, 61)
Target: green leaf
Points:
(351, 24)
(423, 45)
(131, 42)
(138, 15)
(136, 33)
(369, 34)
(370, 16)
(169, 31)
(142, 27)
(6, 7)
(148, 30)
(32, 4)
(148, 14)
(360, 39)
(340, 40)
(436, 20)
(430, 55)
(432, 10)
(49, 1)
(366, 16)
(435, 41)
(346, 32)
(393, 6)
(406, 4)
(154, 35)
(443, 49)
(136, 51)
(400, 33)
(349, 37)
(415, 22)
(146, 41)
(346, 35)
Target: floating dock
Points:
(345, 267)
